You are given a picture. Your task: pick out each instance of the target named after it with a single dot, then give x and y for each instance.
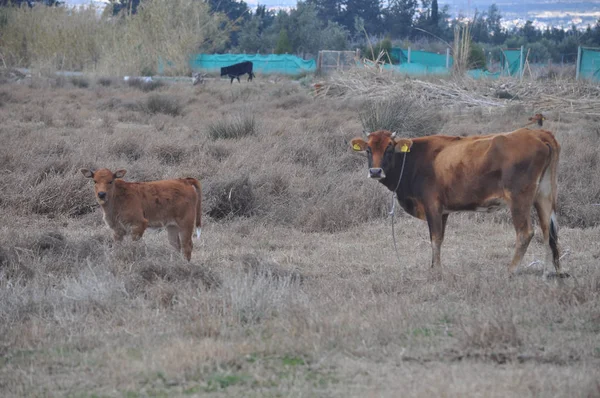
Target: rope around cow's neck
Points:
(394, 196)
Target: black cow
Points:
(236, 70)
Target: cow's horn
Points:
(394, 134)
(366, 132)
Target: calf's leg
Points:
(185, 236)
(173, 231)
(137, 229)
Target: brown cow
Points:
(444, 174)
(135, 206)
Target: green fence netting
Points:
(589, 67)
(267, 64)
(421, 57)
(511, 63)
(421, 62)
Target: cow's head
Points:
(539, 118)
(381, 146)
(103, 182)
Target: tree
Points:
(283, 43)
(235, 10)
(328, 10)
(529, 32)
(30, 3)
(253, 35)
(479, 28)
(398, 17)
(494, 27)
(369, 10)
(434, 13)
(430, 21)
(127, 6)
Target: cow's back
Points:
(476, 169)
(162, 202)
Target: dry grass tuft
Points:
(57, 195)
(261, 268)
(80, 82)
(492, 335)
(105, 81)
(170, 155)
(144, 85)
(128, 148)
(232, 198)
(399, 114)
(233, 128)
(162, 103)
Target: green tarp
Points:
(589, 67)
(267, 64)
(511, 64)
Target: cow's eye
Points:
(110, 182)
(368, 150)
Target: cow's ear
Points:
(87, 173)
(120, 173)
(359, 145)
(402, 144)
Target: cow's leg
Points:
(173, 231)
(185, 236)
(444, 221)
(137, 230)
(238, 78)
(522, 222)
(118, 234)
(548, 224)
(437, 223)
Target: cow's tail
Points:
(196, 184)
(554, 147)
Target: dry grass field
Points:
(294, 288)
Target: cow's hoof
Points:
(562, 275)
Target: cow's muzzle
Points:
(376, 173)
(102, 196)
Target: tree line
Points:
(314, 25)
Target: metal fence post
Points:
(521, 64)
(578, 62)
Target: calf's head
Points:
(381, 147)
(103, 182)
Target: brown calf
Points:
(135, 206)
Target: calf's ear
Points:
(120, 173)
(402, 144)
(358, 144)
(87, 173)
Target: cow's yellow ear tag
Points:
(404, 148)
(356, 147)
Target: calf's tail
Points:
(196, 184)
